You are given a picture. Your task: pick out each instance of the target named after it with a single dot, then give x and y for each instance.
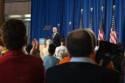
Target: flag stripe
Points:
(113, 36)
(101, 34)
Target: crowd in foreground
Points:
(78, 63)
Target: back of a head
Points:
(113, 51)
(62, 41)
(93, 36)
(14, 34)
(51, 49)
(79, 43)
(106, 61)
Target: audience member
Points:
(35, 48)
(113, 51)
(50, 60)
(44, 49)
(61, 50)
(82, 67)
(123, 70)
(65, 59)
(15, 66)
(3, 50)
(107, 62)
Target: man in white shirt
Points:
(61, 50)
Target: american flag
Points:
(101, 34)
(113, 36)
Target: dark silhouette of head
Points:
(62, 41)
(106, 61)
(93, 37)
(14, 34)
(80, 43)
(51, 49)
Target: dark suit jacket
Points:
(56, 39)
(16, 67)
(79, 72)
(123, 71)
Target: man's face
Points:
(54, 29)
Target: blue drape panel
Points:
(66, 15)
(120, 20)
(76, 14)
(86, 11)
(122, 6)
(60, 16)
(108, 21)
(35, 16)
(96, 16)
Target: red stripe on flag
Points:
(113, 36)
(101, 34)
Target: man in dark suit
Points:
(56, 36)
(82, 67)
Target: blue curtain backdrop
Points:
(122, 22)
(67, 14)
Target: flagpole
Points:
(81, 19)
(113, 17)
(90, 23)
(113, 34)
(81, 15)
(101, 32)
(102, 17)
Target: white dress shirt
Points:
(54, 34)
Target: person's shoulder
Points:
(33, 59)
(104, 71)
(46, 56)
(21, 58)
(58, 67)
(4, 58)
(99, 68)
(54, 58)
(58, 47)
(61, 47)
(106, 74)
(94, 67)
(109, 75)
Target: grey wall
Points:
(18, 8)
